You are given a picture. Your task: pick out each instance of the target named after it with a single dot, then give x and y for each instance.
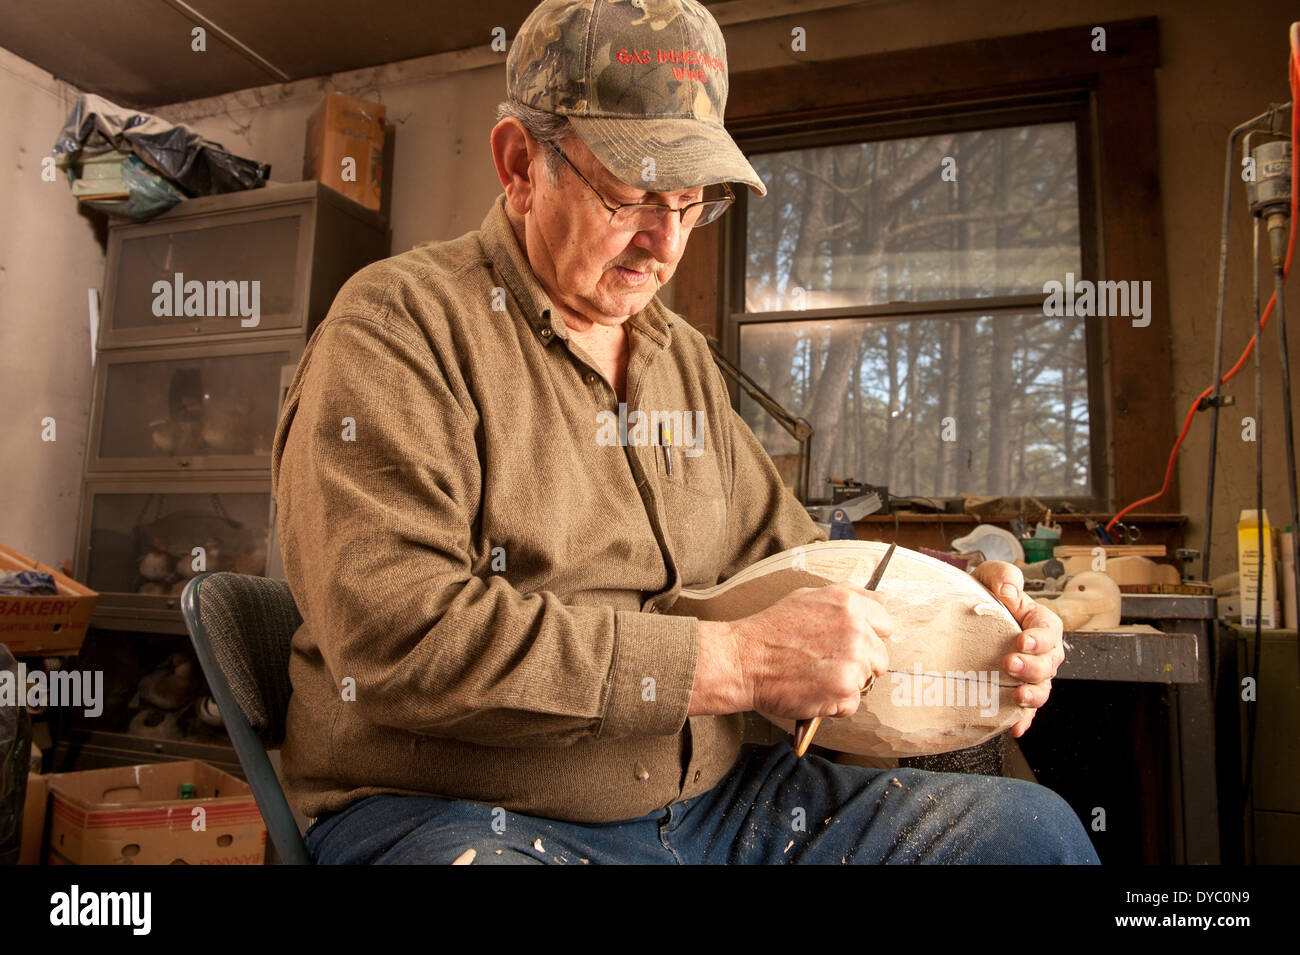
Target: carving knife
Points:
(804, 729)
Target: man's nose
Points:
(665, 240)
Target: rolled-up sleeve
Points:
(378, 481)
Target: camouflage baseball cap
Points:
(644, 83)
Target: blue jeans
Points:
(771, 808)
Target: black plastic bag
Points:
(196, 165)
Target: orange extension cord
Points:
(1294, 71)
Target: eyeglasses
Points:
(644, 216)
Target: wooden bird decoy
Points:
(945, 689)
(1090, 601)
(172, 685)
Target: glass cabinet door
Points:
(211, 406)
(152, 543)
(207, 275)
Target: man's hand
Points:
(809, 654)
(1041, 651)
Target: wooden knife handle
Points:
(803, 734)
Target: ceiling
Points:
(137, 52)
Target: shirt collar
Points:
(502, 247)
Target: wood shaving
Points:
(537, 844)
(788, 848)
(465, 858)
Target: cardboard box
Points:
(345, 148)
(38, 791)
(44, 626)
(131, 815)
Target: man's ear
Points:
(512, 151)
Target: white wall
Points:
(48, 259)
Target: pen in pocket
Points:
(666, 439)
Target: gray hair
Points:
(549, 129)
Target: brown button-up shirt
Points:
(482, 543)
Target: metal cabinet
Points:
(207, 309)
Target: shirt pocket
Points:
(694, 506)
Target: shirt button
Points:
(546, 333)
(591, 377)
(697, 776)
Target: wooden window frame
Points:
(1120, 210)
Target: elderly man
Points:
(485, 663)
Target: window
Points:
(891, 292)
(992, 86)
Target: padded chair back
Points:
(241, 628)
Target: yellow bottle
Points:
(1248, 566)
